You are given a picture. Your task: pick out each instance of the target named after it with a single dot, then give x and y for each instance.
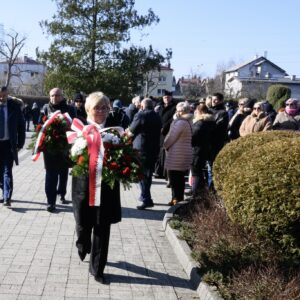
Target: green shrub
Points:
(277, 94)
(261, 191)
(236, 148)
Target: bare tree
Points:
(10, 50)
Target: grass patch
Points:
(234, 259)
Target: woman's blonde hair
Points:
(94, 99)
(183, 107)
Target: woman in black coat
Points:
(203, 128)
(93, 222)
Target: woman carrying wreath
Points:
(93, 222)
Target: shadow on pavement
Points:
(151, 277)
(149, 214)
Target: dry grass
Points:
(235, 260)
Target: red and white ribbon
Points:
(42, 134)
(96, 155)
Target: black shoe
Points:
(7, 202)
(1, 200)
(168, 185)
(82, 255)
(63, 200)
(144, 206)
(100, 278)
(51, 209)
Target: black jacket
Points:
(59, 161)
(16, 127)
(146, 127)
(203, 130)
(131, 111)
(220, 136)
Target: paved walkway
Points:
(38, 259)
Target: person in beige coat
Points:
(255, 122)
(178, 145)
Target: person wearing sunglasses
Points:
(256, 121)
(289, 119)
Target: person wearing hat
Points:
(12, 139)
(289, 119)
(166, 111)
(79, 106)
(245, 106)
(257, 121)
(117, 115)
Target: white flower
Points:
(107, 137)
(115, 140)
(78, 147)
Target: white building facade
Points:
(27, 77)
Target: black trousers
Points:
(177, 182)
(92, 231)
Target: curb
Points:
(183, 253)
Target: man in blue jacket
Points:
(145, 128)
(12, 139)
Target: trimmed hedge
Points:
(261, 190)
(236, 148)
(277, 94)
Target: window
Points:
(159, 91)
(162, 78)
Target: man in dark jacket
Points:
(166, 111)
(118, 115)
(12, 139)
(133, 108)
(146, 128)
(220, 136)
(56, 165)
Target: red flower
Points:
(114, 166)
(44, 119)
(80, 159)
(38, 128)
(126, 171)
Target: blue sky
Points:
(202, 33)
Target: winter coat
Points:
(131, 111)
(146, 127)
(178, 144)
(60, 161)
(166, 114)
(255, 123)
(235, 124)
(220, 136)
(16, 128)
(119, 117)
(203, 129)
(110, 207)
(284, 121)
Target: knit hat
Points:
(291, 101)
(117, 103)
(78, 96)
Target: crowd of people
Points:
(174, 139)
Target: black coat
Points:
(235, 124)
(59, 161)
(16, 127)
(110, 207)
(203, 130)
(220, 136)
(166, 114)
(146, 127)
(131, 111)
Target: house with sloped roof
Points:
(253, 78)
(27, 76)
(158, 80)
